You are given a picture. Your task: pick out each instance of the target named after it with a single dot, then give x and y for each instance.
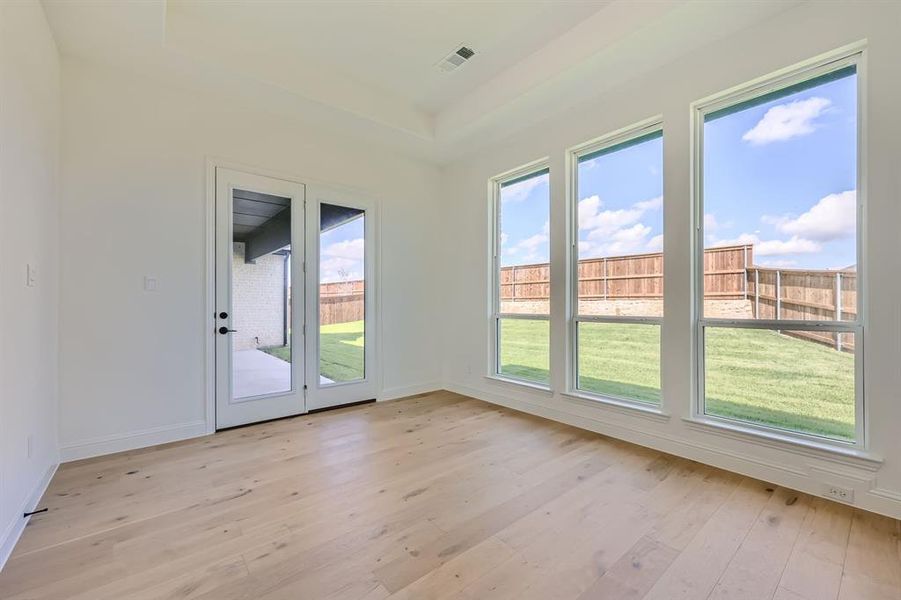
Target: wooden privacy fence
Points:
(729, 274)
(636, 276)
(806, 295)
(341, 302)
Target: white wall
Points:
(133, 199)
(796, 35)
(29, 144)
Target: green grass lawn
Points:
(341, 351)
(754, 375)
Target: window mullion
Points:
(809, 325)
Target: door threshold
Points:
(337, 406)
(286, 417)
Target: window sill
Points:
(824, 450)
(544, 389)
(623, 406)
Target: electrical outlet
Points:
(29, 446)
(837, 492)
(31, 275)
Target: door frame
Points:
(321, 396)
(315, 188)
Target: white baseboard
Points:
(409, 390)
(14, 530)
(172, 433)
(791, 476)
(132, 441)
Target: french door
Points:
(259, 320)
(295, 299)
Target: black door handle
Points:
(224, 330)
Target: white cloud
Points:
(342, 261)
(776, 263)
(340, 269)
(628, 240)
(786, 121)
(616, 232)
(608, 222)
(535, 247)
(630, 237)
(794, 245)
(588, 208)
(744, 238)
(652, 204)
(603, 223)
(520, 191)
(710, 222)
(351, 249)
(832, 218)
(532, 243)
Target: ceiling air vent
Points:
(456, 59)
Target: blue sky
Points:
(341, 252)
(524, 221)
(621, 201)
(620, 208)
(780, 175)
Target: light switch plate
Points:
(150, 283)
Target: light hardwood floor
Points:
(437, 496)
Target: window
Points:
(521, 258)
(780, 324)
(617, 269)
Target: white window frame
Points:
(849, 56)
(495, 314)
(574, 155)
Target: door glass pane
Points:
(796, 380)
(342, 294)
(261, 299)
(524, 349)
(621, 360)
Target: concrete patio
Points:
(256, 373)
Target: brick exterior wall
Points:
(258, 296)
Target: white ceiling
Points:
(390, 47)
(367, 67)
